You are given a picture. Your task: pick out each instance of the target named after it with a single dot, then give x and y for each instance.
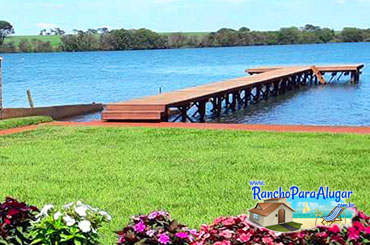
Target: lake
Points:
(75, 78)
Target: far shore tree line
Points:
(121, 39)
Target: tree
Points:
(289, 35)
(6, 29)
(318, 214)
(350, 34)
(59, 31)
(25, 46)
(244, 29)
(103, 30)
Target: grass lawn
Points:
(277, 228)
(23, 121)
(54, 40)
(197, 175)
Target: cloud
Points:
(46, 26)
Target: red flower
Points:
(334, 229)
(358, 225)
(353, 233)
(245, 237)
(367, 230)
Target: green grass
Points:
(277, 228)
(196, 175)
(54, 40)
(23, 121)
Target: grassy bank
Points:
(196, 175)
(23, 121)
(55, 41)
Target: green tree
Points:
(25, 46)
(350, 34)
(6, 29)
(318, 214)
(289, 35)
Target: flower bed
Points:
(78, 223)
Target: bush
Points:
(15, 221)
(155, 228)
(236, 230)
(76, 223)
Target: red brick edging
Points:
(212, 126)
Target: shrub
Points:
(233, 230)
(15, 221)
(236, 230)
(76, 223)
(155, 228)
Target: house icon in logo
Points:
(272, 212)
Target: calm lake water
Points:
(74, 78)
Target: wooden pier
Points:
(194, 104)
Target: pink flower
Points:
(122, 239)
(224, 242)
(139, 227)
(182, 235)
(334, 229)
(153, 215)
(227, 234)
(245, 237)
(229, 221)
(359, 226)
(367, 230)
(218, 220)
(164, 239)
(353, 233)
(268, 240)
(150, 233)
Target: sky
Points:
(30, 16)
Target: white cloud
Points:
(46, 26)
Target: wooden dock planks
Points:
(155, 108)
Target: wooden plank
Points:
(155, 107)
(322, 68)
(318, 74)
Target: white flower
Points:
(57, 215)
(81, 210)
(45, 210)
(85, 226)
(67, 206)
(106, 215)
(69, 220)
(79, 203)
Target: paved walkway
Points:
(212, 126)
(289, 227)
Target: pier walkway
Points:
(194, 104)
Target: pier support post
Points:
(247, 97)
(258, 93)
(202, 111)
(233, 101)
